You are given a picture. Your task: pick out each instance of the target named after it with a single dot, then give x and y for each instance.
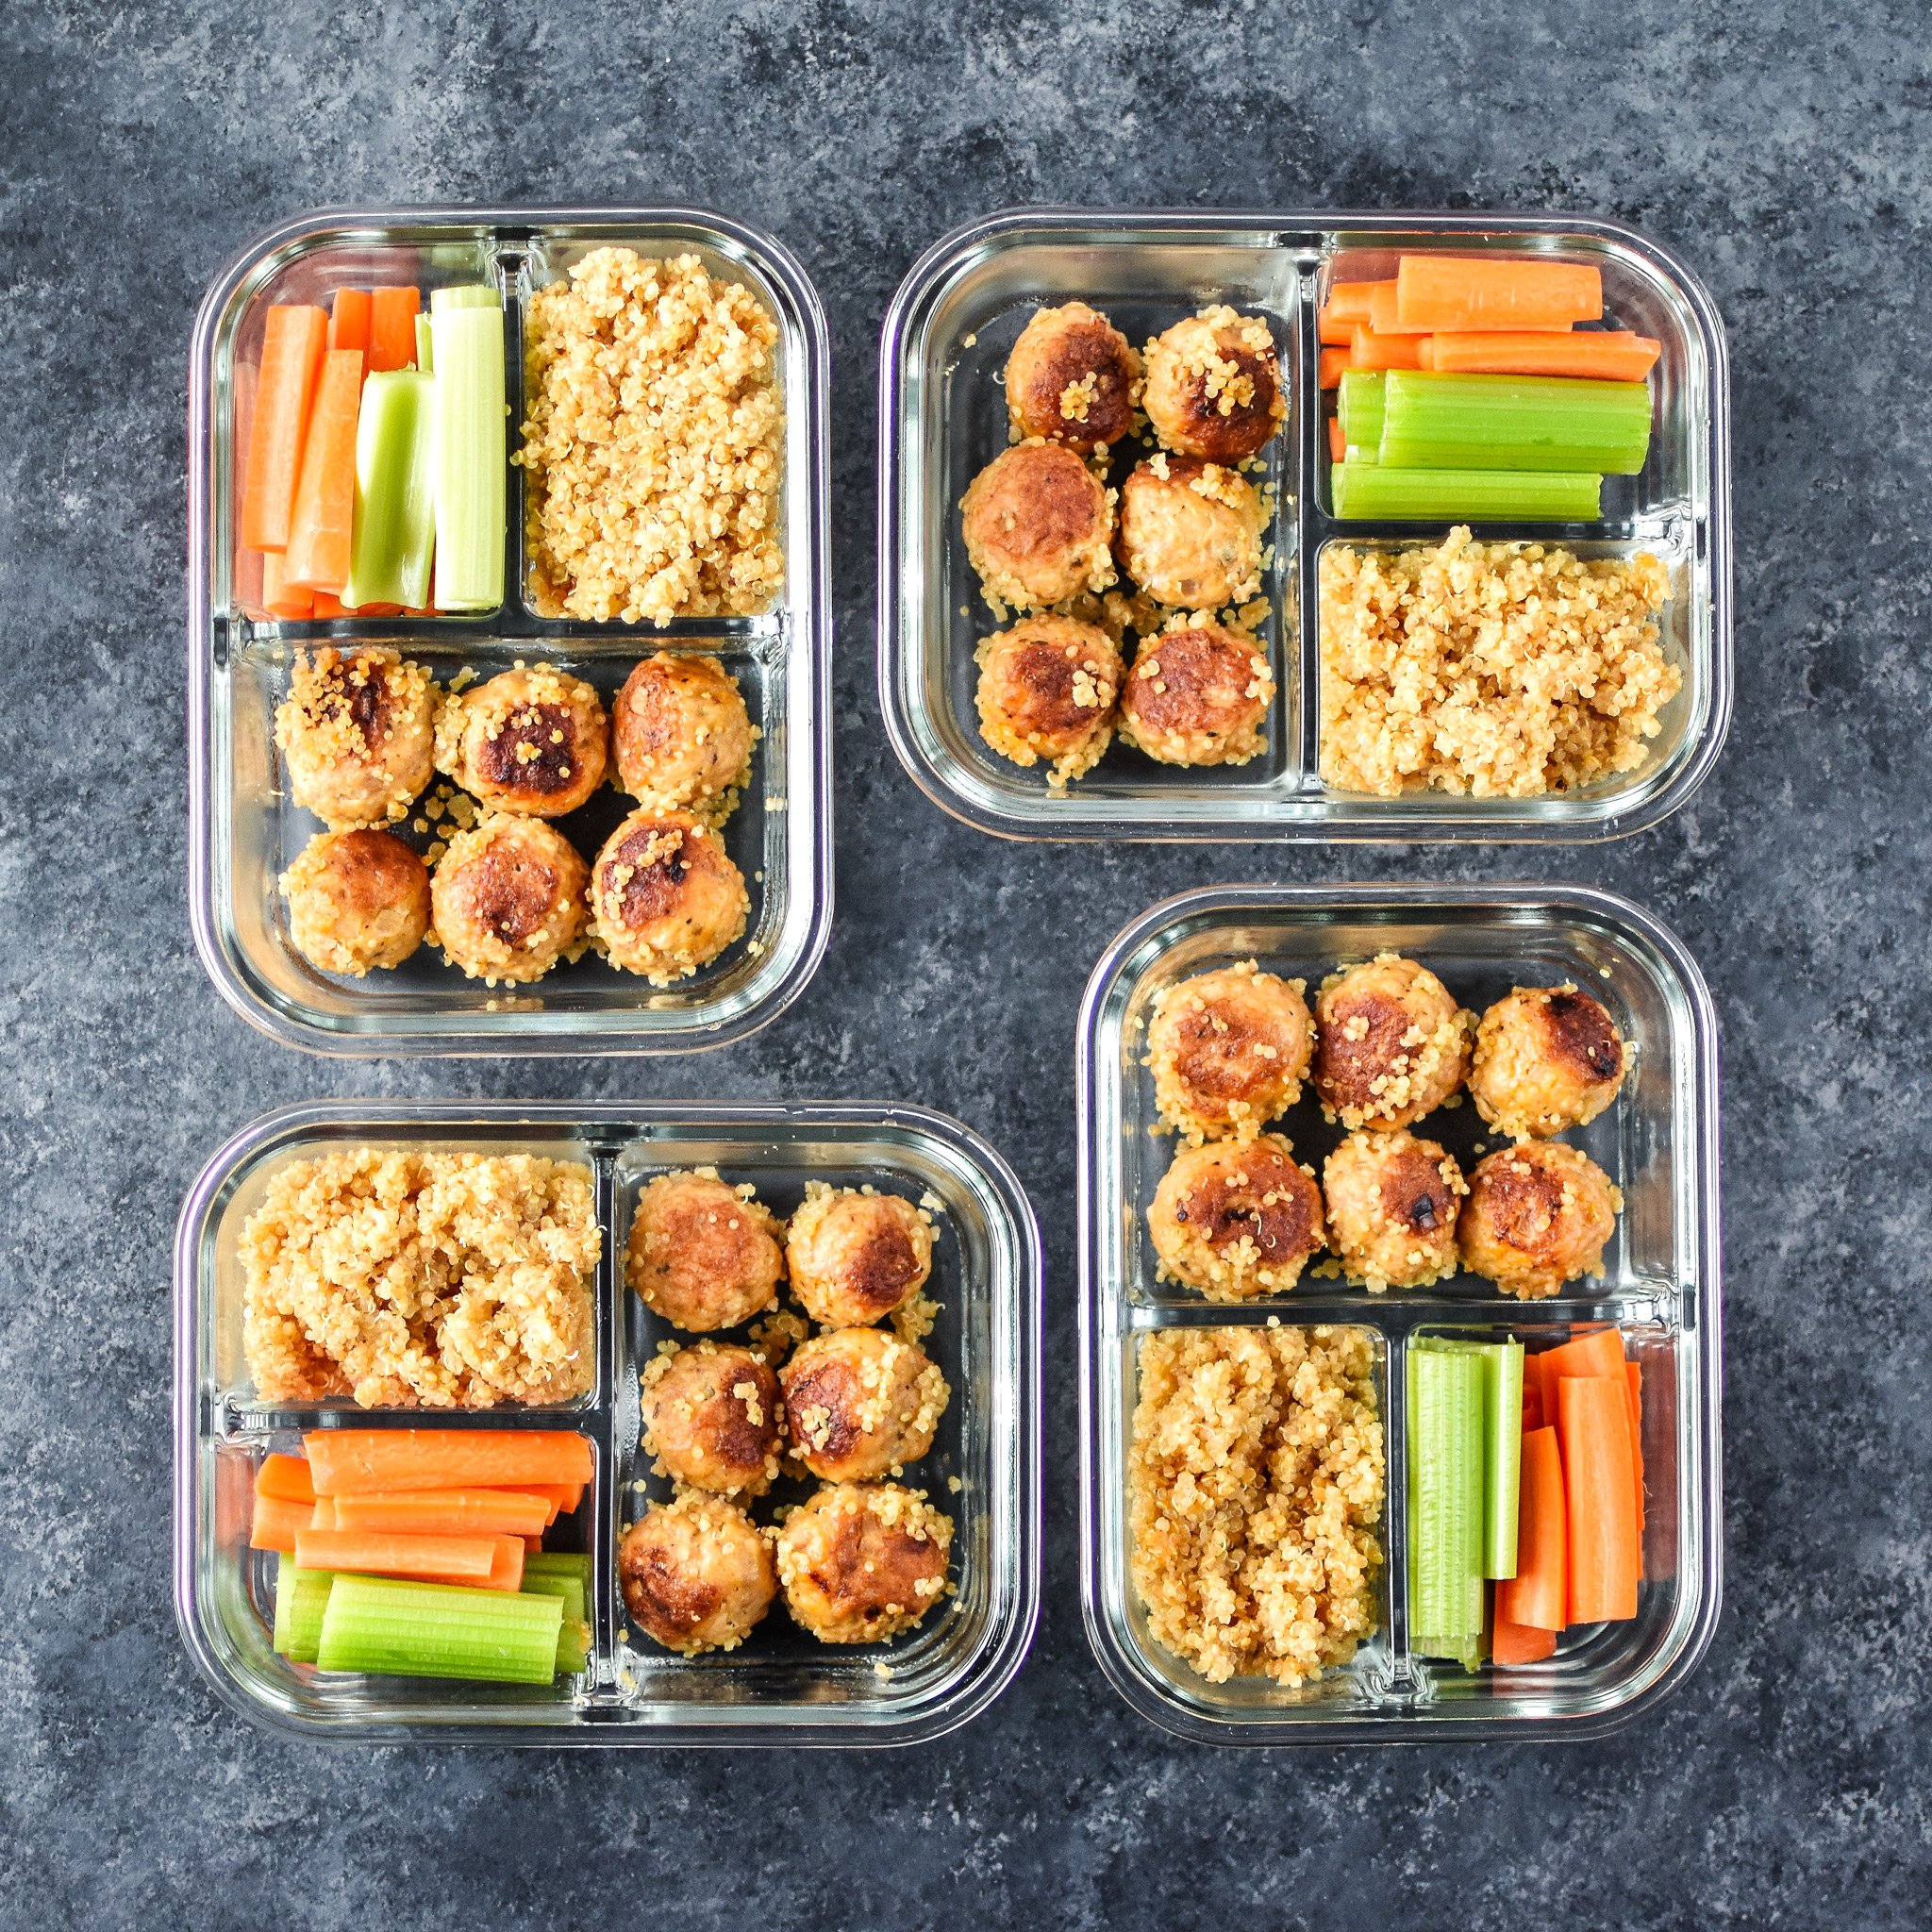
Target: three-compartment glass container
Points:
(781, 1686)
(1657, 1141)
(245, 829)
(943, 417)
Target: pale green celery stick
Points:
(1446, 1484)
(392, 1628)
(1457, 422)
(557, 1584)
(1368, 490)
(1502, 1453)
(395, 511)
(558, 1563)
(572, 1646)
(1358, 403)
(464, 295)
(470, 453)
(301, 1596)
(426, 354)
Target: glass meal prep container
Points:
(244, 829)
(781, 1686)
(943, 417)
(1658, 1141)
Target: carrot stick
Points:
(1604, 355)
(1331, 329)
(1349, 302)
(1521, 1643)
(1333, 363)
(276, 1522)
(1337, 443)
(446, 1512)
(1373, 351)
(317, 556)
(348, 323)
(323, 1513)
(393, 329)
(533, 1543)
(562, 1497)
(358, 1462)
(294, 337)
(1532, 1417)
(1537, 1593)
(1382, 316)
(1464, 292)
(285, 1476)
(244, 575)
(1633, 1386)
(279, 598)
(328, 605)
(441, 1559)
(1594, 1429)
(1595, 1352)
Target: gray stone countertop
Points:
(1782, 148)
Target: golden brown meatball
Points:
(862, 1561)
(357, 899)
(697, 1575)
(861, 1403)
(1196, 696)
(1190, 533)
(1537, 1216)
(682, 736)
(855, 1255)
(357, 730)
(532, 743)
(1038, 526)
(1546, 1058)
(1228, 1050)
(1047, 690)
(1392, 1201)
(1391, 1045)
(665, 895)
(1072, 378)
(1214, 386)
(1235, 1219)
(509, 898)
(702, 1254)
(712, 1418)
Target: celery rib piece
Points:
(1503, 1454)
(471, 451)
(395, 507)
(1359, 404)
(463, 295)
(1363, 492)
(301, 1597)
(1458, 421)
(388, 1628)
(426, 354)
(1445, 1487)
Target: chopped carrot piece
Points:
(446, 1512)
(1466, 293)
(1382, 317)
(1633, 1386)
(562, 1497)
(1593, 1429)
(285, 1476)
(1595, 1352)
(1331, 328)
(276, 1523)
(323, 1514)
(1337, 443)
(1538, 1592)
(393, 329)
(1521, 1643)
(244, 570)
(328, 605)
(1601, 355)
(317, 556)
(1333, 363)
(352, 1462)
(280, 598)
(292, 345)
(1349, 301)
(348, 323)
(440, 1558)
(1373, 351)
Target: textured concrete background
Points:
(1783, 149)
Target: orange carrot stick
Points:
(358, 1462)
(244, 573)
(1331, 329)
(285, 1476)
(328, 605)
(1594, 1429)
(323, 1514)
(1466, 293)
(562, 1497)
(1633, 1386)
(1337, 443)
(1373, 351)
(1602, 355)
(1333, 361)
(348, 323)
(1537, 1593)
(276, 1523)
(393, 329)
(318, 555)
(279, 597)
(1532, 1417)
(1595, 1352)
(445, 1558)
(446, 1512)
(1382, 316)
(293, 336)
(533, 1543)
(1348, 302)
(1521, 1643)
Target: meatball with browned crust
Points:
(1393, 1200)
(861, 1403)
(702, 1254)
(1537, 1216)
(1228, 1049)
(1072, 377)
(665, 895)
(1235, 1219)
(357, 733)
(357, 899)
(1190, 533)
(712, 1418)
(508, 897)
(1391, 1044)
(1039, 527)
(855, 1255)
(1546, 1058)
(1047, 690)
(1197, 694)
(697, 1575)
(861, 1562)
(682, 735)
(529, 741)
(1213, 386)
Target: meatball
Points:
(509, 898)
(862, 1561)
(665, 896)
(1228, 1050)
(1392, 1200)
(855, 1255)
(702, 1254)
(1038, 526)
(357, 899)
(1072, 378)
(358, 731)
(1196, 696)
(697, 1575)
(861, 1403)
(532, 743)
(1235, 1219)
(682, 736)
(1546, 1058)
(1391, 1044)
(1047, 690)
(1190, 533)
(1214, 386)
(1537, 1216)
(712, 1418)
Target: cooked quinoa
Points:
(1256, 1484)
(403, 1277)
(1494, 670)
(653, 444)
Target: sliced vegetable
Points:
(395, 511)
(301, 1597)
(1502, 1454)
(1633, 1388)
(1599, 1481)
(425, 356)
(293, 342)
(470, 448)
(477, 1559)
(348, 1462)
(276, 1522)
(348, 323)
(445, 1512)
(1331, 364)
(1337, 441)
(1358, 403)
(1432, 421)
(1593, 1351)
(1538, 1594)
(1332, 330)
(323, 1513)
(319, 536)
(1383, 318)
(1349, 301)
(1363, 490)
(285, 1476)
(1520, 1643)
(1609, 354)
(572, 1644)
(414, 1629)
(392, 329)
(244, 580)
(1370, 350)
(1445, 1489)
(562, 1497)
(1470, 292)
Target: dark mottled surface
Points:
(1783, 147)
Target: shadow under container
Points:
(781, 1686)
(1661, 1285)
(246, 830)
(943, 417)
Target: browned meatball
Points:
(1228, 1050)
(1190, 533)
(697, 1575)
(1235, 1219)
(1391, 1044)
(1214, 386)
(855, 1255)
(702, 1254)
(1197, 695)
(711, 1416)
(1392, 1201)
(508, 897)
(532, 743)
(1537, 1217)
(357, 899)
(1047, 690)
(1072, 377)
(682, 736)
(665, 895)
(861, 1403)
(357, 731)
(862, 1561)
(1038, 526)
(1546, 1058)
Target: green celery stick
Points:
(569, 1589)
(426, 354)
(301, 1596)
(470, 453)
(1455, 422)
(558, 1563)
(389, 1627)
(1445, 1488)
(1358, 403)
(463, 295)
(1368, 490)
(1503, 1454)
(572, 1646)
(395, 511)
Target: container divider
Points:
(1309, 430)
(607, 1496)
(1400, 1686)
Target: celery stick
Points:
(1364, 491)
(1455, 422)
(572, 1646)
(463, 295)
(1503, 1454)
(469, 455)
(1359, 406)
(395, 511)
(569, 1589)
(389, 1627)
(1445, 1482)
(301, 1596)
(558, 1563)
(426, 354)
